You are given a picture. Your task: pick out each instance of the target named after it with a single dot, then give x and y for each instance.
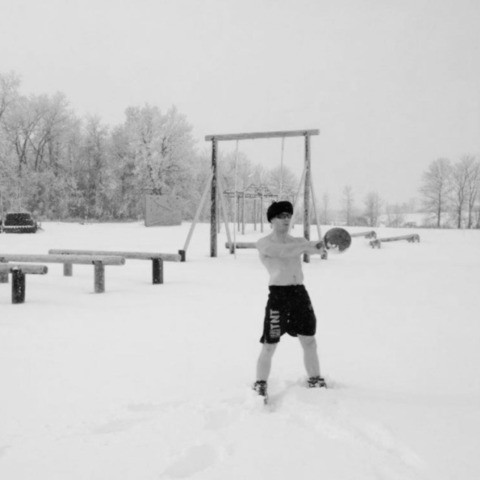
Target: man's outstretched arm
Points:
(285, 250)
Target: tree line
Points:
(449, 197)
(450, 192)
(60, 166)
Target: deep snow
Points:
(152, 381)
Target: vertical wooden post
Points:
(67, 269)
(213, 209)
(219, 209)
(99, 277)
(261, 212)
(306, 196)
(243, 213)
(18, 286)
(237, 199)
(3, 275)
(157, 271)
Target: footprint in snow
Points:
(4, 449)
(115, 426)
(192, 461)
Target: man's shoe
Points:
(260, 386)
(317, 382)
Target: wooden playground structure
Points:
(256, 195)
(19, 265)
(217, 196)
(98, 258)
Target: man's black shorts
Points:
(289, 310)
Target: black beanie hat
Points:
(276, 208)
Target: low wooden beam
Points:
(18, 272)
(166, 257)
(80, 259)
(411, 238)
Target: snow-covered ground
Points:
(152, 381)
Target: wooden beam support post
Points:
(3, 275)
(99, 277)
(67, 270)
(18, 286)
(213, 209)
(157, 271)
(306, 195)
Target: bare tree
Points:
(326, 208)
(436, 188)
(464, 189)
(161, 145)
(473, 185)
(395, 215)
(283, 182)
(9, 84)
(348, 204)
(373, 204)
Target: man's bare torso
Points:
(282, 258)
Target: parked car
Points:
(19, 223)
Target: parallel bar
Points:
(255, 135)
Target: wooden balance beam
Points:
(369, 234)
(98, 261)
(240, 245)
(18, 272)
(156, 258)
(411, 237)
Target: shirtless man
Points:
(289, 309)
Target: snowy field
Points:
(153, 381)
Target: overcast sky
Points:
(391, 84)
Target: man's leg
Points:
(310, 356)
(264, 363)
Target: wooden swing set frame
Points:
(215, 187)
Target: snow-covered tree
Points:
(436, 188)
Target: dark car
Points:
(19, 223)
